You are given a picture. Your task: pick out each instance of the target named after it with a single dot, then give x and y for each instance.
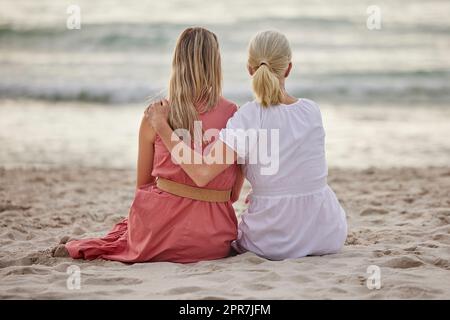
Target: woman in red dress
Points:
(178, 222)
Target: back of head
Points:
(196, 81)
(269, 55)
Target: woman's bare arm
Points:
(145, 154)
(212, 164)
(201, 173)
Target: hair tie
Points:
(263, 63)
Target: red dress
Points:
(164, 227)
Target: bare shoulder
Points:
(146, 131)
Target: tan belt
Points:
(185, 191)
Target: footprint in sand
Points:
(409, 199)
(255, 260)
(8, 206)
(216, 297)
(10, 235)
(28, 270)
(403, 263)
(410, 292)
(373, 211)
(183, 290)
(442, 237)
(66, 239)
(40, 257)
(442, 263)
(269, 276)
(62, 267)
(444, 218)
(258, 286)
(338, 290)
(112, 281)
(299, 278)
(382, 253)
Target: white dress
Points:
(292, 212)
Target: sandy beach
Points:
(399, 220)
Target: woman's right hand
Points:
(158, 113)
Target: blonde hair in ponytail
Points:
(269, 55)
(195, 85)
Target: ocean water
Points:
(122, 53)
(75, 97)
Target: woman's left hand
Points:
(157, 113)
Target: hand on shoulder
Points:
(157, 113)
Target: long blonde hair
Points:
(196, 82)
(269, 55)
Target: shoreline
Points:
(399, 220)
(356, 137)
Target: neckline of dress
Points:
(291, 104)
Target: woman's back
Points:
(165, 227)
(295, 143)
(292, 212)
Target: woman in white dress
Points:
(292, 211)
